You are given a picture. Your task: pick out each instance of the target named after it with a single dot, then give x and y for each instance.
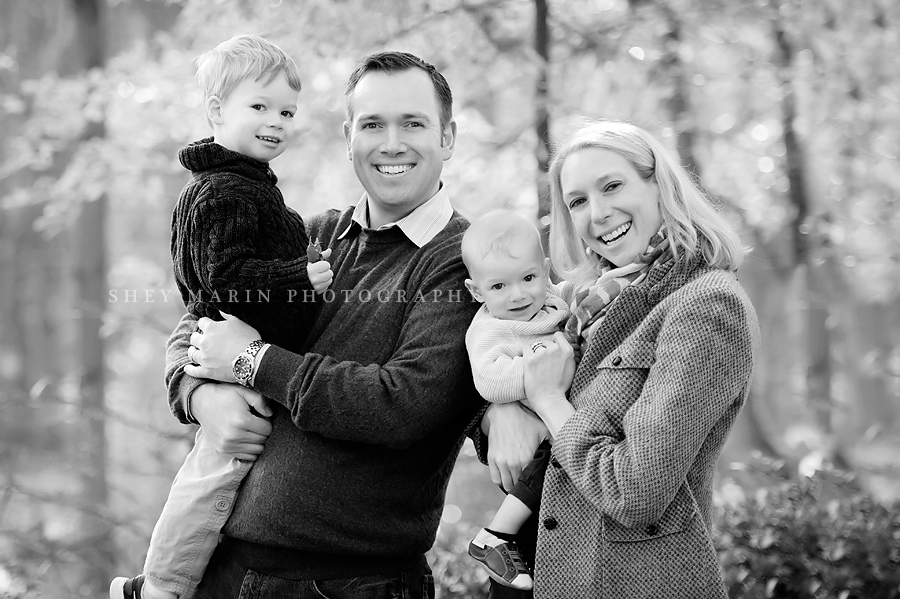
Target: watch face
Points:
(242, 368)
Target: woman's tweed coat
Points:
(626, 505)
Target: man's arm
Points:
(222, 410)
(424, 384)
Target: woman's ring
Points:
(191, 351)
(536, 345)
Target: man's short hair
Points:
(495, 232)
(223, 68)
(396, 62)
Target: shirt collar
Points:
(420, 226)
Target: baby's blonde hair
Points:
(494, 232)
(223, 68)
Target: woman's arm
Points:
(704, 355)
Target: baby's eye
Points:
(287, 113)
(528, 278)
(497, 286)
(258, 107)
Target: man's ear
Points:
(214, 110)
(448, 139)
(348, 135)
(470, 285)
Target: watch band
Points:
(243, 365)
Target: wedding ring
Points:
(536, 345)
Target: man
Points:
(367, 421)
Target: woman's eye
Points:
(576, 202)
(612, 186)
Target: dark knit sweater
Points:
(237, 247)
(379, 398)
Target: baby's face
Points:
(512, 285)
(257, 119)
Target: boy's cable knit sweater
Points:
(379, 397)
(237, 247)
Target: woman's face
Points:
(615, 211)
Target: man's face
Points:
(396, 143)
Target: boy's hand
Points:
(319, 272)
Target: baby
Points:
(522, 308)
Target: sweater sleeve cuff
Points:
(277, 368)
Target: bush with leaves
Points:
(809, 538)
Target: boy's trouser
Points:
(199, 503)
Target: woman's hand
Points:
(215, 346)
(549, 370)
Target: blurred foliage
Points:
(711, 78)
(809, 538)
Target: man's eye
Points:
(368, 126)
(416, 124)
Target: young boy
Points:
(510, 275)
(236, 248)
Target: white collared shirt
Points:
(420, 226)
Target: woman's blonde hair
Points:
(687, 212)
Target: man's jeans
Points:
(225, 579)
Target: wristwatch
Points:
(242, 366)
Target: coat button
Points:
(653, 530)
(617, 360)
(550, 523)
(555, 463)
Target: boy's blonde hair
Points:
(494, 232)
(694, 226)
(223, 68)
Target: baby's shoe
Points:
(502, 560)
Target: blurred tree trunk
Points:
(542, 115)
(807, 259)
(89, 241)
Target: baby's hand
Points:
(319, 272)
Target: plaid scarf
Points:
(591, 304)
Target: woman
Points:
(669, 339)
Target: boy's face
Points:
(396, 142)
(513, 285)
(257, 119)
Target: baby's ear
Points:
(547, 268)
(470, 285)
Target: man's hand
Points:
(224, 413)
(218, 344)
(514, 434)
(319, 272)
